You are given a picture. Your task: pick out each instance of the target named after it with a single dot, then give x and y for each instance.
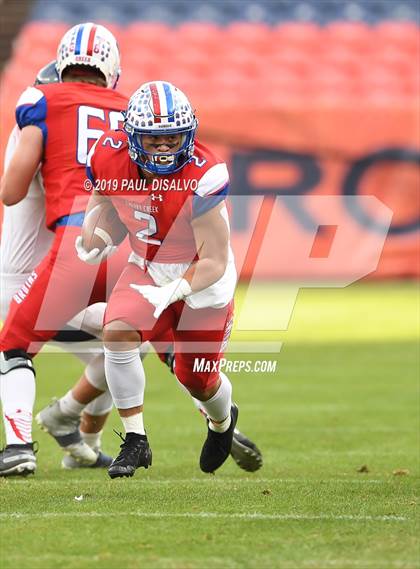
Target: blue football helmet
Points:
(160, 108)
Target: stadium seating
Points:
(283, 53)
(306, 37)
(403, 35)
(339, 53)
(177, 12)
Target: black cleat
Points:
(245, 453)
(217, 446)
(135, 452)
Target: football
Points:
(102, 227)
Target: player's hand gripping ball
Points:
(102, 231)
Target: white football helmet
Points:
(92, 45)
(159, 108)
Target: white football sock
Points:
(125, 377)
(92, 439)
(134, 424)
(95, 372)
(70, 406)
(17, 390)
(218, 407)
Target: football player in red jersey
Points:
(169, 190)
(31, 245)
(25, 240)
(59, 122)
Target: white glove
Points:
(95, 256)
(162, 296)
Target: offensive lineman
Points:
(57, 123)
(25, 240)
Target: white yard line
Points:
(214, 480)
(207, 515)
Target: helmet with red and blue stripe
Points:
(91, 45)
(159, 108)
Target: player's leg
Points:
(23, 335)
(17, 386)
(200, 341)
(126, 380)
(24, 242)
(88, 401)
(17, 391)
(216, 403)
(92, 423)
(98, 407)
(65, 418)
(244, 451)
(61, 419)
(82, 411)
(126, 314)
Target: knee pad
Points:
(15, 359)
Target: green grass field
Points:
(345, 395)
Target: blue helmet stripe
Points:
(169, 102)
(78, 40)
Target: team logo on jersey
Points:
(147, 208)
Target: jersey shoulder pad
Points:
(108, 150)
(110, 144)
(215, 180)
(209, 170)
(31, 109)
(118, 137)
(212, 188)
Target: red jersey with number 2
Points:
(158, 214)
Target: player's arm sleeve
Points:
(31, 110)
(211, 190)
